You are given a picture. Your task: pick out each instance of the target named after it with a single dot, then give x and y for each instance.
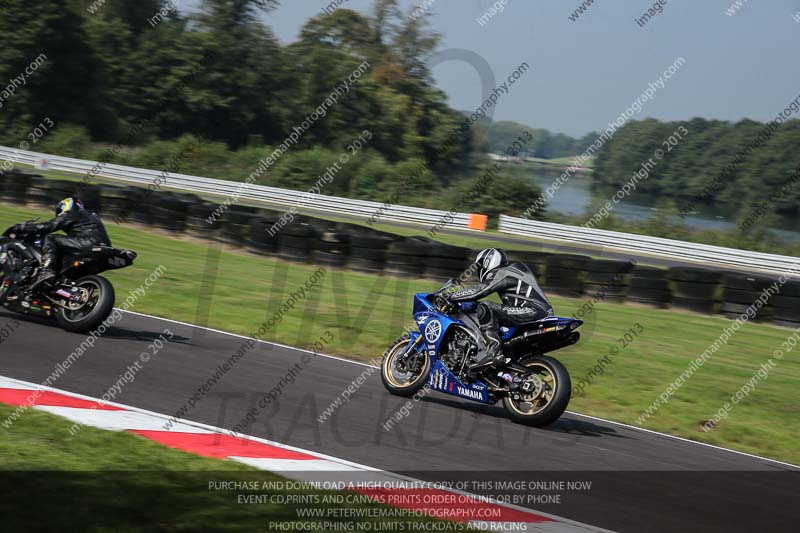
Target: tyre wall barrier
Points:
(649, 286)
(359, 248)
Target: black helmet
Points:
(490, 259)
(68, 204)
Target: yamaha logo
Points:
(433, 331)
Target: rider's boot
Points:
(47, 273)
(494, 350)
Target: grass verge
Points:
(358, 315)
(116, 481)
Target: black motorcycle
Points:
(78, 298)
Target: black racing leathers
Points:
(523, 301)
(84, 229)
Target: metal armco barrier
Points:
(243, 191)
(702, 254)
(713, 256)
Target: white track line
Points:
(329, 463)
(337, 358)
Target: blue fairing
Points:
(557, 322)
(433, 326)
(442, 380)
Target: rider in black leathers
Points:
(523, 300)
(83, 229)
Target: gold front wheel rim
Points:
(389, 369)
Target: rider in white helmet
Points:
(523, 299)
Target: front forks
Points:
(402, 360)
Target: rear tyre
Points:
(96, 305)
(550, 396)
(403, 382)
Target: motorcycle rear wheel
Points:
(550, 402)
(398, 382)
(98, 304)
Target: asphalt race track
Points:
(640, 481)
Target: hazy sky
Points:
(585, 73)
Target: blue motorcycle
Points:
(535, 388)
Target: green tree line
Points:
(545, 144)
(150, 80)
(730, 166)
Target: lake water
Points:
(576, 195)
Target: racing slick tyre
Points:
(550, 395)
(399, 382)
(97, 304)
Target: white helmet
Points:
(488, 260)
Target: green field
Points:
(115, 481)
(364, 313)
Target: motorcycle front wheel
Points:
(97, 302)
(403, 381)
(549, 395)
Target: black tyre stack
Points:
(320, 225)
(786, 305)
(445, 262)
(407, 257)
(536, 261)
(695, 289)
(170, 211)
(91, 196)
(140, 206)
(649, 286)
(740, 291)
(565, 274)
(260, 240)
(296, 241)
(15, 186)
(331, 248)
(608, 278)
(235, 226)
(203, 220)
(115, 202)
(39, 192)
(58, 190)
(368, 252)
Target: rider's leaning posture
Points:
(523, 300)
(83, 229)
